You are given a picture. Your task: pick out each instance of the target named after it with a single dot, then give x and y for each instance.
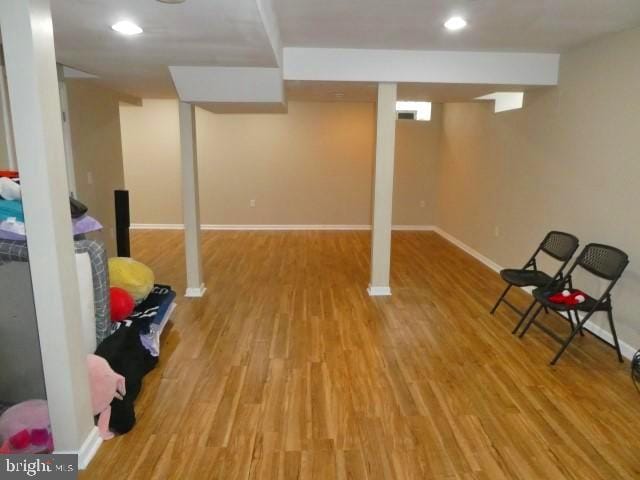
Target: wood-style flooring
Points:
(286, 369)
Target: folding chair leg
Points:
(570, 338)
(531, 320)
(578, 323)
(614, 335)
(493, 310)
(524, 317)
(574, 314)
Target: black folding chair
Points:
(558, 245)
(602, 261)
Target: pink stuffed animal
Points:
(25, 428)
(105, 385)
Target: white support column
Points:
(191, 200)
(27, 37)
(66, 132)
(6, 120)
(383, 190)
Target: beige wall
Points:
(569, 160)
(151, 151)
(416, 167)
(94, 116)
(312, 166)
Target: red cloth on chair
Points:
(568, 297)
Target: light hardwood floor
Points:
(287, 369)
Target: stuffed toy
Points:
(568, 297)
(105, 385)
(122, 304)
(132, 276)
(9, 190)
(25, 428)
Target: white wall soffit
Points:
(505, 101)
(334, 64)
(270, 24)
(246, 85)
(228, 84)
(74, 73)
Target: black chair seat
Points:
(542, 296)
(525, 278)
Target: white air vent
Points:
(405, 115)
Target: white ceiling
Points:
(195, 33)
(232, 32)
(493, 25)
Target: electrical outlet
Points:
(89, 178)
(422, 203)
(496, 231)
(252, 203)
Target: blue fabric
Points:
(152, 310)
(11, 208)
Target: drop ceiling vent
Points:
(406, 115)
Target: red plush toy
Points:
(122, 304)
(568, 297)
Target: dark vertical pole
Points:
(122, 223)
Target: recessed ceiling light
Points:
(455, 23)
(126, 27)
(172, 1)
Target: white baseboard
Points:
(627, 350)
(195, 292)
(157, 226)
(413, 228)
(379, 291)
(179, 226)
(463, 246)
(89, 448)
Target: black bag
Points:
(78, 209)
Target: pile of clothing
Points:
(140, 310)
(12, 216)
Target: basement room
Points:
(273, 239)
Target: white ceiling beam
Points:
(228, 84)
(246, 85)
(359, 65)
(70, 72)
(505, 101)
(270, 24)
